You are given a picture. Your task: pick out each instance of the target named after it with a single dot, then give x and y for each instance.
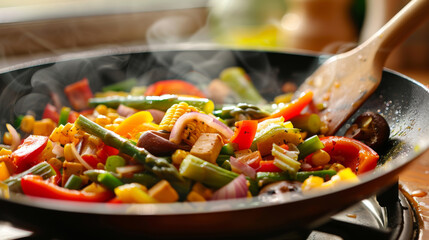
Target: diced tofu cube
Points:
(163, 192)
(208, 147)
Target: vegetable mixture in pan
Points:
(171, 141)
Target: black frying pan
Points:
(401, 100)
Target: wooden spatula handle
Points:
(398, 28)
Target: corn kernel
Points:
(320, 158)
(311, 183)
(27, 123)
(336, 167)
(112, 116)
(101, 109)
(68, 154)
(178, 156)
(111, 110)
(95, 140)
(47, 152)
(94, 188)
(347, 175)
(102, 120)
(118, 120)
(7, 138)
(173, 113)
(100, 166)
(111, 127)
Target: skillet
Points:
(402, 101)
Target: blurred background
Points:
(35, 29)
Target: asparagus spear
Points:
(43, 169)
(207, 173)
(310, 145)
(237, 80)
(159, 166)
(153, 102)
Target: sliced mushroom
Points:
(370, 128)
(281, 187)
(158, 144)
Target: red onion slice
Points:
(180, 124)
(125, 111)
(242, 167)
(79, 158)
(156, 114)
(237, 188)
(16, 139)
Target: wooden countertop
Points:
(414, 179)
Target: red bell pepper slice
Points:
(78, 94)
(178, 87)
(51, 113)
(350, 153)
(115, 200)
(34, 185)
(106, 151)
(26, 155)
(268, 166)
(91, 159)
(73, 116)
(244, 133)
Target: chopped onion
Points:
(237, 188)
(125, 111)
(126, 170)
(242, 167)
(57, 149)
(79, 158)
(16, 139)
(211, 121)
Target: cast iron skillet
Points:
(401, 100)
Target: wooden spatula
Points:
(346, 80)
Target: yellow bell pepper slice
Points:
(133, 193)
(133, 121)
(4, 172)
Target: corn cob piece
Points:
(173, 113)
(66, 134)
(193, 131)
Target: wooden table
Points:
(414, 180)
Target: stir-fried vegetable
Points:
(168, 148)
(154, 102)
